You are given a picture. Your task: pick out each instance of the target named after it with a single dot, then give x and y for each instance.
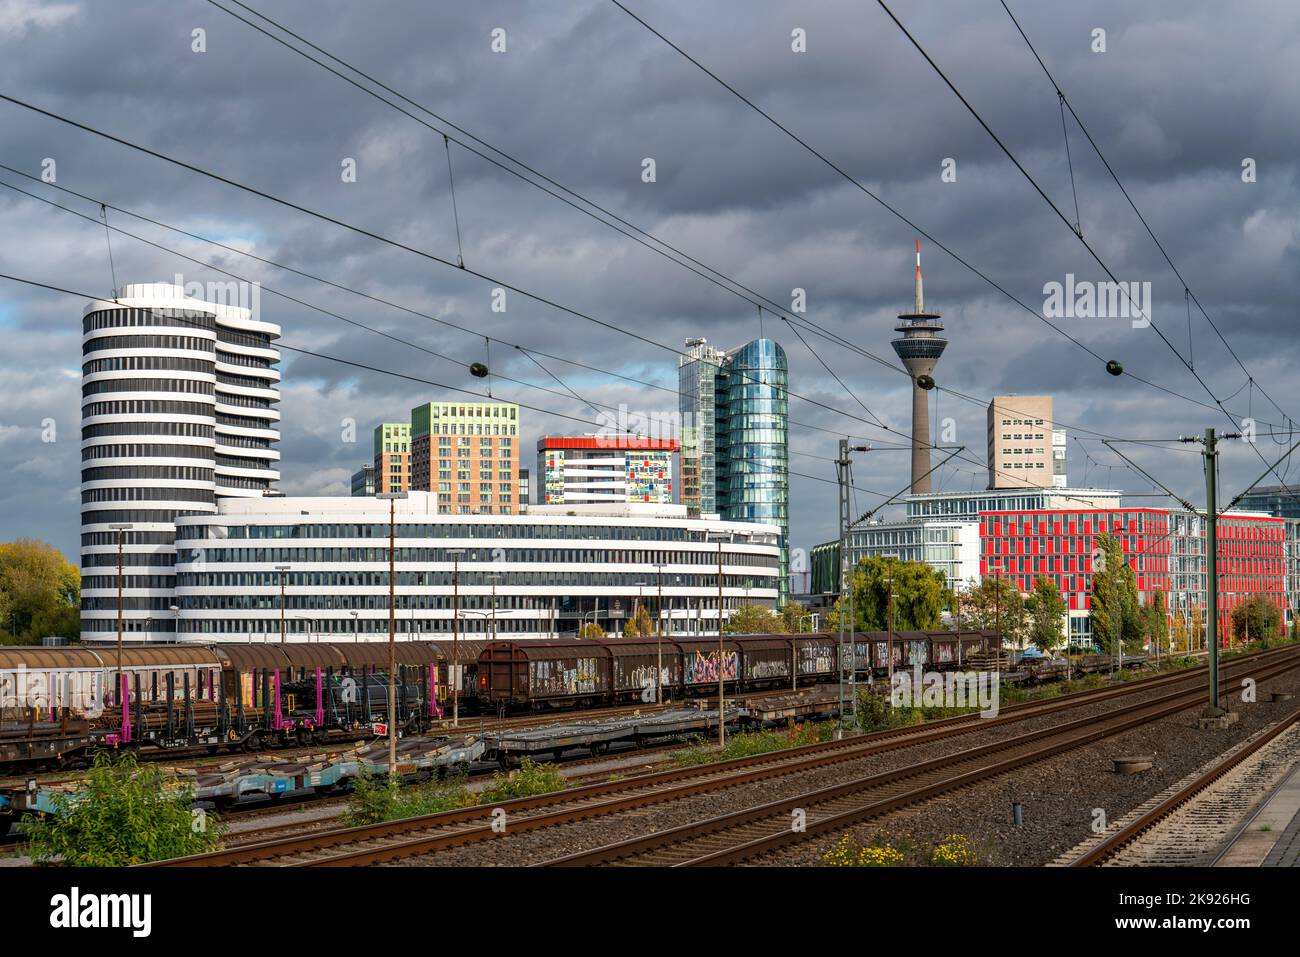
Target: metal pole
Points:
(889, 614)
(392, 630)
(1212, 562)
(120, 679)
(281, 569)
(119, 692)
(455, 642)
(722, 713)
(841, 474)
(659, 641)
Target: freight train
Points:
(58, 705)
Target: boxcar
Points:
(816, 656)
(765, 662)
(634, 663)
(700, 664)
(544, 673)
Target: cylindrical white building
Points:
(537, 575)
(178, 410)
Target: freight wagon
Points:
(541, 675)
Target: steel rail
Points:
(773, 820)
(1113, 843)
(452, 828)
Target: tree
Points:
(920, 593)
(796, 617)
(1180, 640)
(124, 813)
(1116, 613)
(1155, 621)
(639, 625)
(1045, 609)
(995, 603)
(40, 593)
(1256, 619)
(590, 629)
(755, 620)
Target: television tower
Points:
(920, 347)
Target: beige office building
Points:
(1024, 449)
(467, 453)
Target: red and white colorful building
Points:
(1165, 548)
(596, 470)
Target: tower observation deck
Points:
(920, 344)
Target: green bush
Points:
(375, 799)
(531, 778)
(125, 813)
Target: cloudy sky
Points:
(582, 93)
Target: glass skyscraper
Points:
(735, 436)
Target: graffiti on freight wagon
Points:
(767, 668)
(816, 659)
(702, 668)
(570, 676)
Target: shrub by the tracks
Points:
(531, 778)
(125, 813)
(377, 799)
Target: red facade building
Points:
(1165, 548)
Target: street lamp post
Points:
(392, 498)
(455, 554)
(282, 569)
(659, 637)
(176, 627)
(120, 528)
(356, 626)
(636, 608)
(722, 687)
(996, 567)
(889, 616)
(494, 578)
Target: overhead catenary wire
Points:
(294, 299)
(389, 241)
(328, 312)
(729, 282)
(892, 210)
(1132, 204)
(352, 363)
(1187, 361)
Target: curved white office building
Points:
(178, 411)
(551, 569)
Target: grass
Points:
(748, 743)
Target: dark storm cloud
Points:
(583, 94)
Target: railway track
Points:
(398, 839)
(1201, 828)
(751, 832)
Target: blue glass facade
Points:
(744, 449)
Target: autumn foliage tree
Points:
(755, 620)
(40, 593)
